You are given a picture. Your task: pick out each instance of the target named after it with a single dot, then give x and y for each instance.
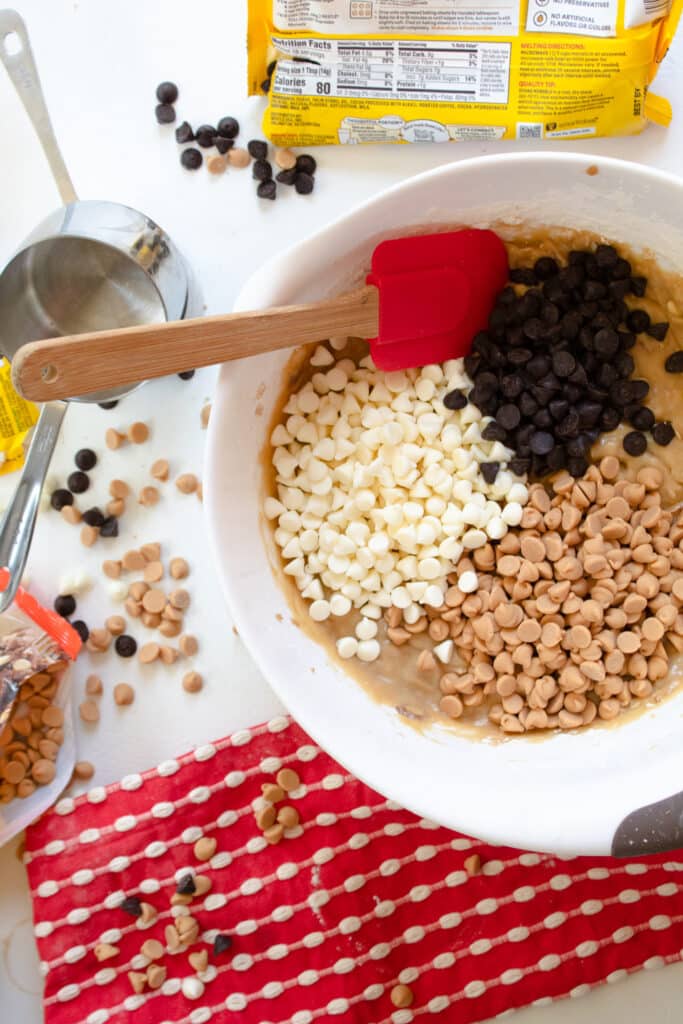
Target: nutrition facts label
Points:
(417, 17)
(455, 71)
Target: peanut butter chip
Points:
(473, 865)
(288, 780)
(188, 645)
(288, 816)
(116, 507)
(285, 159)
(53, 717)
(89, 535)
(156, 975)
(43, 771)
(179, 568)
(105, 951)
(265, 817)
(401, 996)
(154, 601)
(148, 496)
(138, 432)
(187, 483)
(83, 770)
(274, 834)
(192, 682)
(133, 561)
(149, 653)
(205, 848)
(179, 599)
(154, 571)
(628, 642)
(274, 794)
(113, 439)
(116, 624)
(159, 469)
(151, 552)
(89, 711)
(71, 514)
(238, 157)
(216, 164)
(124, 694)
(198, 961)
(111, 569)
(152, 949)
(137, 981)
(119, 489)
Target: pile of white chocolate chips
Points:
(549, 606)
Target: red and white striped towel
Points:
(359, 897)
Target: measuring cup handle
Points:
(17, 56)
(18, 522)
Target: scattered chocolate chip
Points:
(186, 886)
(228, 127)
(489, 471)
(78, 482)
(205, 135)
(258, 150)
(60, 498)
(164, 113)
(541, 442)
(658, 331)
(663, 433)
(223, 145)
(109, 527)
(81, 628)
(638, 286)
(287, 177)
(184, 133)
(455, 400)
(674, 363)
(508, 416)
(545, 267)
(221, 944)
(638, 321)
(109, 405)
(262, 170)
(642, 418)
(167, 92)
(191, 159)
(93, 516)
(187, 374)
(65, 605)
(266, 189)
(125, 645)
(523, 275)
(634, 443)
(304, 183)
(85, 458)
(606, 255)
(131, 905)
(306, 164)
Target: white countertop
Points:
(100, 64)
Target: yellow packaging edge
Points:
(17, 417)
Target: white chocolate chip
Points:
(468, 582)
(443, 651)
(319, 611)
(347, 647)
(366, 629)
(117, 590)
(368, 650)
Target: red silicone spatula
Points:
(424, 300)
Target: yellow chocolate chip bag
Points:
(351, 71)
(17, 416)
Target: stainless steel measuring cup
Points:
(89, 266)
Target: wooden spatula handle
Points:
(65, 367)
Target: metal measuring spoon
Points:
(91, 265)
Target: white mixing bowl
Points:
(569, 793)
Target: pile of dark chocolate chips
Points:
(554, 369)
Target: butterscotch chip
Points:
(181, 899)
(169, 655)
(285, 159)
(138, 590)
(473, 865)
(13, 772)
(116, 507)
(216, 164)
(113, 439)
(288, 779)
(154, 571)
(46, 748)
(151, 552)
(89, 711)
(264, 818)
(192, 682)
(105, 951)
(116, 624)
(652, 629)
(26, 787)
(123, 694)
(238, 157)
(188, 645)
(204, 415)
(179, 568)
(43, 771)
(205, 848)
(156, 975)
(111, 569)
(187, 483)
(119, 489)
(148, 913)
(274, 834)
(172, 614)
(159, 469)
(179, 599)
(401, 996)
(133, 607)
(154, 601)
(53, 716)
(151, 620)
(202, 885)
(288, 816)
(426, 661)
(137, 981)
(172, 937)
(274, 794)
(148, 496)
(628, 642)
(133, 561)
(83, 770)
(138, 432)
(169, 629)
(185, 924)
(100, 639)
(198, 961)
(152, 949)
(149, 653)
(71, 514)
(89, 535)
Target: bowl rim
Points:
(539, 834)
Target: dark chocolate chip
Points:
(262, 170)
(638, 321)
(519, 466)
(638, 286)
(184, 133)
(306, 164)
(658, 331)
(110, 527)
(228, 127)
(455, 400)
(541, 442)
(222, 943)
(543, 419)
(609, 420)
(606, 255)
(564, 364)
(266, 189)
(109, 405)
(663, 433)
(304, 183)
(60, 498)
(206, 135)
(494, 432)
(511, 385)
(93, 516)
(577, 465)
(85, 458)
(508, 416)
(258, 149)
(131, 905)
(287, 177)
(78, 482)
(164, 113)
(223, 145)
(593, 290)
(545, 267)
(634, 443)
(186, 886)
(606, 343)
(167, 92)
(621, 271)
(65, 605)
(191, 159)
(489, 471)
(674, 363)
(81, 628)
(640, 389)
(187, 374)
(642, 419)
(125, 645)
(523, 275)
